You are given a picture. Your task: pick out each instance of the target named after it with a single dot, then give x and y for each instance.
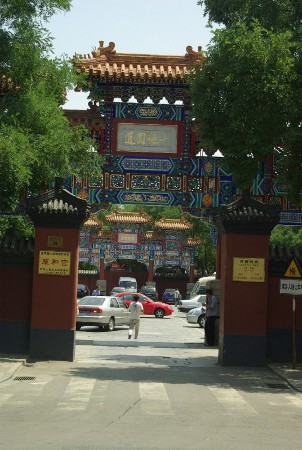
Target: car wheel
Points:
(111, 324)
(78, 327)
(201, 321)
(159, 313)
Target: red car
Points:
(157, 309)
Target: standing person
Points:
(136, 309)
(177, 297)
(211, 314)
(96, 291)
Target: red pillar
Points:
(192, 274)
(151, 268)
(218, 258)
(244, 227)
(102, 269)
(57, 216)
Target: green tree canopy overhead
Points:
(248, 94)
(36, 141)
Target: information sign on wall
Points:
(293, 287)
(55, 241)
(249, 269)
(54, 263)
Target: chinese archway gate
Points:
(150, 148)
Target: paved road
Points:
(165, 391)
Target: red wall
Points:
(244, 310)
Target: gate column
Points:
(245, 226)
(57, 216)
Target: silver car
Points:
(197, 315)
(102, 311)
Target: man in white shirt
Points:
(136, 309)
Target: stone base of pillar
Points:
(242, 351)
(52, 344)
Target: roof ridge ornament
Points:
(101, 50)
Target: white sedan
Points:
(194, 302)
(197, 315)
(101, 311)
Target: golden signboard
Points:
(249, 269)
(54, 263)
(127, 238)
(55, 241)
(147, 138)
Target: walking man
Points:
(211, 314)
(136, 309)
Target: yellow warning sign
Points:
(293, 270)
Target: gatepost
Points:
(244, 227)
(57, 216)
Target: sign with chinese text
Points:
(54, 263)
(127, 238)
(249, 269)
(55, 241)
(293, 287)
(147, 138)
(293, 270)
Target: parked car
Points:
(117, 290)
(102, 311)
(197, 315)
(171, 296)
(82, 290)
(157, 309)
(150, 292)
(195, 302)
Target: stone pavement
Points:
(9, 366)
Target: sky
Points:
(164, 27)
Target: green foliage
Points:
(247, 96)
(15, 226)
(37, 143)
(286, 236)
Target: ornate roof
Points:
(92, 221)
(173, 224)
(106, 63)
(57, 204)
(90, 118)
(128, 217)
(245, 215)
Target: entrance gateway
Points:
(140, 116)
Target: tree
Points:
(286, 236)
(36, 141)
(247, 95)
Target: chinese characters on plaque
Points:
(54, 263)
(134, 137)
(248, 269)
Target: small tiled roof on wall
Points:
(245, 215)
(173, 224)
(106, 63)
(56, 205)
(128, 217)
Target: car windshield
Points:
(91, 301)
(128, 284)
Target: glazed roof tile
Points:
(128, 217)
(92, 221)
(106, 63)
(173, 224)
